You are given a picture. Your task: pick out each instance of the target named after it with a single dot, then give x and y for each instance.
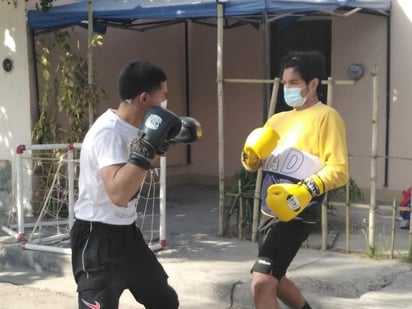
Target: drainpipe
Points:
(35, 71)
(388, 102)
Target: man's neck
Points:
(309, 103)
(130, 113)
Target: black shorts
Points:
(280, 244)
(107, 259)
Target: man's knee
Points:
(173, 302)
(168, 300)
(263, 284)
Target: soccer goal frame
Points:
(45, 229)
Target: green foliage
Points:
(339, 194)
(241, 194)
(64, 88)
(44, 5)
(243, 190)
(64, 98)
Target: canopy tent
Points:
(128, 12)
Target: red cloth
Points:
(406, 202)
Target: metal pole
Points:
(90, 58)
(162, 196)
(265, 63)
(71, 186)
(30, 246)
(20, 200)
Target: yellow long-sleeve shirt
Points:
(312, 141)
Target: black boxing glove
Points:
(190, 131)
(158, 125)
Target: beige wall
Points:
(359, 38)
(165, 47)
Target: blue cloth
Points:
(126, 11)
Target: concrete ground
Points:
(213, 272)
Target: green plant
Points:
(64, 98)
(339, 194)
(44, 5)
(239, 206)
(64, 88)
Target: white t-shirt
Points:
(106, 143)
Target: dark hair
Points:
(310, 64)
(139, 76)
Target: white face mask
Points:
(293, 97)
(164, 104)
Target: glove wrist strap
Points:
(139, 161)
(312, 187)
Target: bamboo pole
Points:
(329, 96)
(273, 98)
(256, 206)
(71, 185)
(374, 152)
(258, 186)
(324, 207)
(347, 227)
(410, 239)
(342, 82)
(393, 227)
(240, 216)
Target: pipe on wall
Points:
(388, 102)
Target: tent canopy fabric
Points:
(127, 11)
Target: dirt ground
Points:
(192, 228)
(22, 296)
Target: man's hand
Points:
(289, 200)
(158, 125)
(258, 145)
(190, 132)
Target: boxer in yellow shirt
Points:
(303, 154)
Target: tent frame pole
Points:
(90, 58)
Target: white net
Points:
(50, 203)
(47, 182)
(149, 214)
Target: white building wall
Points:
(14, 86)
(15, 108)
(400, 94)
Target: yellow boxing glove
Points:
(258, 145)
(288, 200)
